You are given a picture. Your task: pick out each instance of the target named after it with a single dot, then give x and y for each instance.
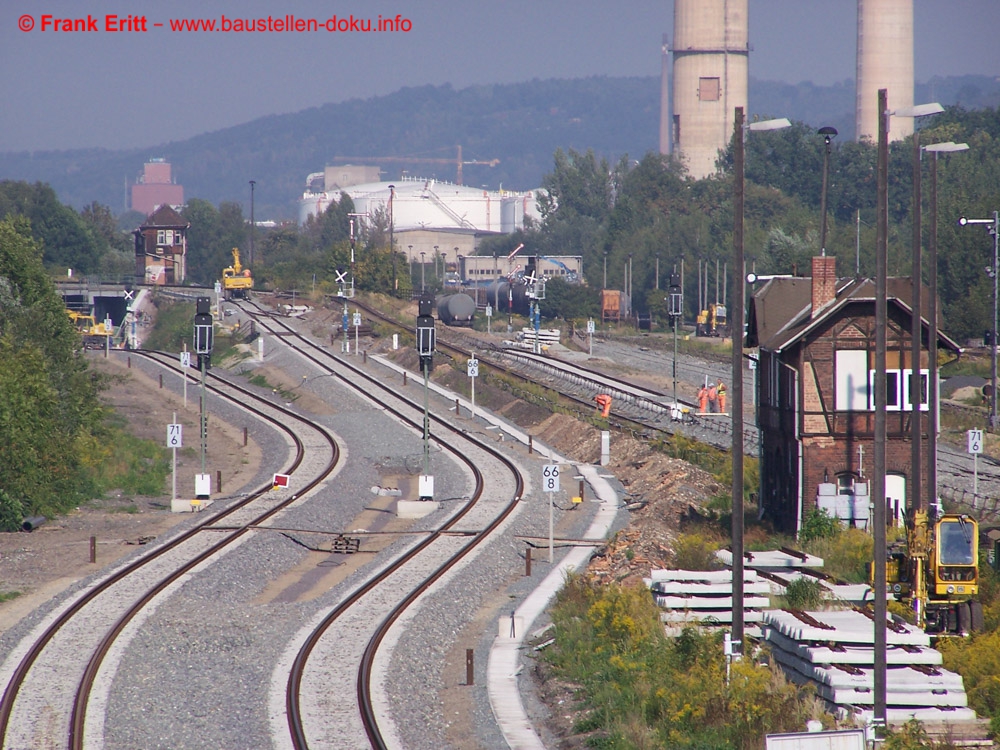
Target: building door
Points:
(895, 499)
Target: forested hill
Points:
(520, 124)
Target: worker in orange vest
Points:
(713, 399)
(721, 393)
(603, 403)
(702, 399)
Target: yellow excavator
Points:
(935, 570)
(237, 281)
(712, 321)
(95, 335)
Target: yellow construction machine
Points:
(95, 335)
(935, 570)
(237, 281)
(712, 321)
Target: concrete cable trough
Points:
(834, 650)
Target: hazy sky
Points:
(63, 90)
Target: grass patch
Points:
(6, 596)
(255, 378)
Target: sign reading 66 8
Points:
(550, 478)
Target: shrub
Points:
(818, 524)
(697, 552)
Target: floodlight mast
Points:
(736, 320)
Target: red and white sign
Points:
(280, 480)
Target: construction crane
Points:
(458, 161)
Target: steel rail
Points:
(294, 684)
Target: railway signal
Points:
(425, 349)
(203, 339)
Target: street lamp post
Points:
(736, 318)
(879, 438)
(994, 272)
(253, 224)
(932, 379)
(828, 133)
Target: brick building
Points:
(155, 187)
(161, 248)
(815, 394)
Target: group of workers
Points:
(712, 398)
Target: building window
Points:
(161, 236)
(897, 390)
(709, 89)
(851, 373)
(845, 483)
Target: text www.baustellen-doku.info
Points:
(114, 23)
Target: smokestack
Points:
(885, 61)
(711, 52)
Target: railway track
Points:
(50, 679)
(319, 709)
(323, 704)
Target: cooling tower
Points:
(885, 61)
(710, 78)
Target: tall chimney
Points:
(824, 282)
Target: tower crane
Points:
(458, 161)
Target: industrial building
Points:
(155, 187)
(438, 219)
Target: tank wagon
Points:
(456, 309)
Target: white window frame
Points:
(161, 236)
(900, 389)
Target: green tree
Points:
(65, 238)
(49, 402)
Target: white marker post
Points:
(489, 317)
(175, 440)
(357, 325)
(975, 448)
(550, 483)
(590, 335)
(472, 366)
(185, 362)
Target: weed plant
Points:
(644, 690)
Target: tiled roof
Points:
(165, 216)
(780, 311)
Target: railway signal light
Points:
(203, 330)
(675, 298)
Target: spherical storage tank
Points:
(456, 309)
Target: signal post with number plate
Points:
(975, 438)
(175, 440)
(550, 484)
(472, 369)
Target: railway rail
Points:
(334, 641)
(68, 714)
(49, 681)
